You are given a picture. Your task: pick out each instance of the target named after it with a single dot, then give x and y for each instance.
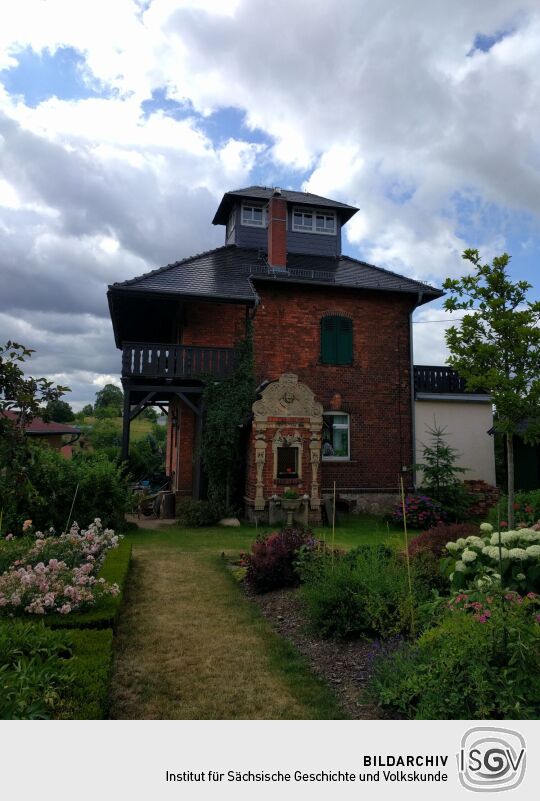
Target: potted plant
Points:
(290, 501)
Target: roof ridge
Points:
(170, 266)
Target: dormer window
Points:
(314, 222)
(253, 215)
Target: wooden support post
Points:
(126, 422)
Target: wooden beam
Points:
(126, 422)
(191, 405)
(140, 406)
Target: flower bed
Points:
(58, 573)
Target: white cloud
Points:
(386, 109)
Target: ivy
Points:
(227, 407)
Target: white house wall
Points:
(467, 424)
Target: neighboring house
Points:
(441, 399)
(331, 342)
(57, 435)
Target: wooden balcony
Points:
(164, 361)
(438, 380)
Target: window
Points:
(335, 435)
(314, 222)
(253, 215)
(336, 340)
(287, 462)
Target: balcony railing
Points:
(438, 380)
(145, 360)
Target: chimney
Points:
(277, 231)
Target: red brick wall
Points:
(180, 446)
(219, 325)
(376, 389)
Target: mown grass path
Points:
(189, 645)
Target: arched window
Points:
(336, 340)
(335, 436)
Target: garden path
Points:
(189, 645)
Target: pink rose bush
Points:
(58, 573)
(482, 607)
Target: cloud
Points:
(426, 121)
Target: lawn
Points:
(139, 428)
(190, 645)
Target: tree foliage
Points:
(497, 348)
(109, 401)
(59, 411)
(441, 476)
(24, 396)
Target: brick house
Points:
(331, 345)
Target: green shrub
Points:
(48, 492)
(105, 613)
(35, 671)
(526, 508)
(195, 514)
(90, 667)
(363, 593)
(464, 669)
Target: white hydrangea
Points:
(506, 537)
(451, 547)
(517, 553)
(484, 583)
(530, 536)
(487, 527)
(521, 576)
(533, 550)
(468, 556)
(461, 543)
(493, 552)
(475, 542)
(460, 566)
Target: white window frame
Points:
(313, 229)
(253, 223)
(346, 426)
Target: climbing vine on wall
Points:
(227, 407)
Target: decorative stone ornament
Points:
(286, 416)
(286, 397)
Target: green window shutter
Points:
(328, 340)
(344, 341)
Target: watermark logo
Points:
(491, 759)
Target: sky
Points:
(123, 123)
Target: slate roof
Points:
(290, 195)
(230, 273)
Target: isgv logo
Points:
(491, 759)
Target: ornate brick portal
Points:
(287, 418)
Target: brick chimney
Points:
(277, 231)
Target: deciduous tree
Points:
(497, 348)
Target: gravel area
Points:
(343, 665)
